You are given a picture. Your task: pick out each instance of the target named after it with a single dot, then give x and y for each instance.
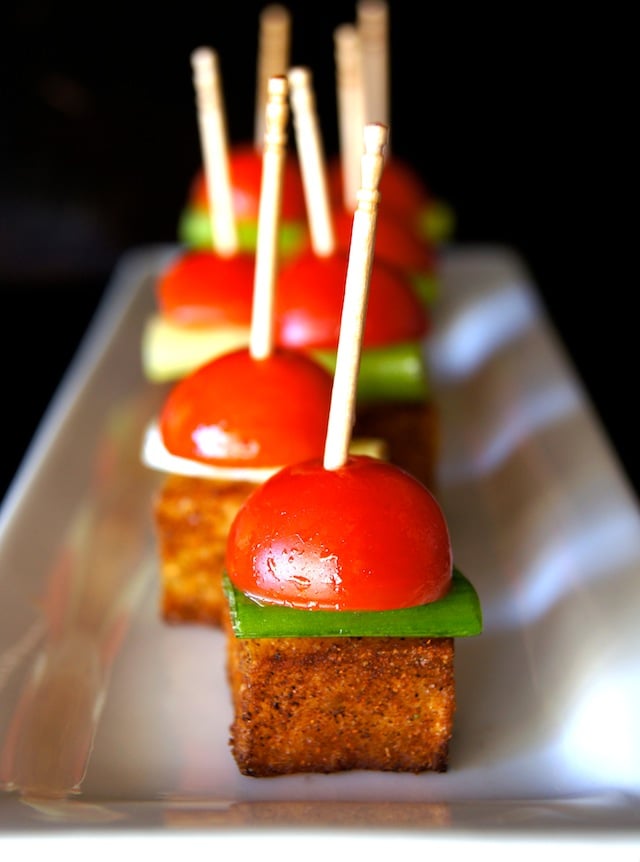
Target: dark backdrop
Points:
(502, 113)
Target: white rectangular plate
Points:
(113, 722)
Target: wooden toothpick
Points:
(373, 26)
(215, 149)
(350, 99)
(273, 160)
(274, 39)
(312, 161)
(356, 295)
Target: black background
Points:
(508, 116)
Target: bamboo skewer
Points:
(274, 38)
(312, 161)
(274, 154)
(215, 149)
(350, 99)
(356, 295)
(372, 18)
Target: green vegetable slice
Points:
(458, 614)
(437, 222)
(427, 286)
(194, 231)
(394, 372)
(391, 373)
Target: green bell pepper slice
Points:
(458, 614)
(390, 373)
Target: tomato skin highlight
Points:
(245, 167)
(367, 536)
(239, 411)
(201, 288)
(310, 294)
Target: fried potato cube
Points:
(333, 704)
(192, 520)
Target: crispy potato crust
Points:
(334, 704)
(192, 519)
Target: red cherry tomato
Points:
(201, 288)
(367, 536)
(239, 411)
(395, 243)
(402, 189)
(310, 293)
(245, 165)
(403, 193)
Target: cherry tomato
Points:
(395, 243)
(245, 165)
(310, 293)
(201, 288)
(403, 193)
(402, 189)
(367, 536)
(239, 411)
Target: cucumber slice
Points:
(458, 614)
(170, 352)
(395, 373)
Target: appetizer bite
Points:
(412, 223)
(197, 225)
(175, 340)
(203, 310)
(342, 619)
(393, 391)
(233, 421)
(397, 240)
(343, 601)
(204, 296)
(398, 246)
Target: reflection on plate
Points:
(109, 718)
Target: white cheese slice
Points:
(155, 455)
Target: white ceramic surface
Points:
(112, 723)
